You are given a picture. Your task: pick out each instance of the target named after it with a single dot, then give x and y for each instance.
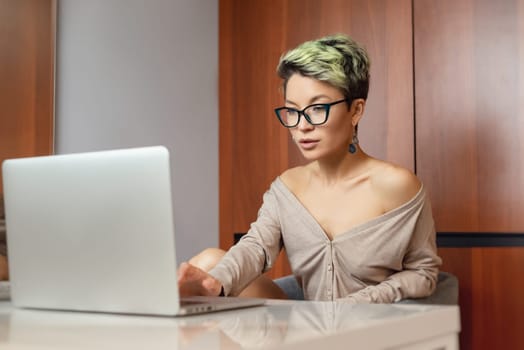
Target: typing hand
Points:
(194, 281)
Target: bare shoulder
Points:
(395, 184)
(293, 178)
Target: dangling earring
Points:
(354, 141)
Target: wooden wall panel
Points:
(252, 145)
(469, 152)
(27, 41)
(491, 303)
(254, 148)
(469, 112)
(459, 262)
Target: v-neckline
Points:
(359, 227)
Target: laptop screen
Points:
(92, 231)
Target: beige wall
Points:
(144, 72)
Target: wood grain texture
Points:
(254, 148)
(469, 90)
(26, 77)
(251, 154)
(491, 289)
(469, 112)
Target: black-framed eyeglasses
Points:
(315, 114)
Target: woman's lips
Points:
(307, 143)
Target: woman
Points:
(354, 227)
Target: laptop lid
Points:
(92, 231)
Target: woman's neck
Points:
(333, 170)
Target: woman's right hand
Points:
(195, 281)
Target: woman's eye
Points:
(319, 108)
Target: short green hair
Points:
(335, 59)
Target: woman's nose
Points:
(303, 124)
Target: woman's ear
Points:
(357, 110)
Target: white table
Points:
(278, 325)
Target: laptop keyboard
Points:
(190, 302)
(206, 300)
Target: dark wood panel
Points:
(254, 148)
(469, 89)
(26, 77)
(252, 144)
(260, 143)
(491, 290)
(257, 149)
(469, 112)
(458, 261)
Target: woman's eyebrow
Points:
(318, 97)
(289, 102)
(312, 100)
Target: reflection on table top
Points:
(278, 324)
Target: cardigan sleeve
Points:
(3, 244)
(256, 251)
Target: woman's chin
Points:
(310, 155)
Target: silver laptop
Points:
(94, 232)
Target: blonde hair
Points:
(335, 59)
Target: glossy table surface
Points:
(276, 325)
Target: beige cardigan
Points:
(387, 259)
(3, 246)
